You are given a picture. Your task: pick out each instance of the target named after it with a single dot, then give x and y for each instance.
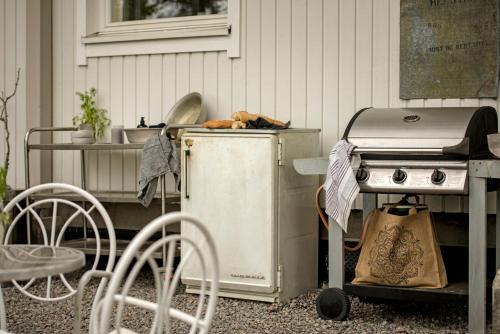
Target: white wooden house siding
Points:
(314, 62)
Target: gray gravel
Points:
(237, 316)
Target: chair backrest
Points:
(126, 272)
(30, 202)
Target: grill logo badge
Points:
(411, 118)
(397, 256)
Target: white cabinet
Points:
(259, 210)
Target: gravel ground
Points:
(237, 316)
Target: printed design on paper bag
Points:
(396, 256)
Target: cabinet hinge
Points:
(281, 144)
(279, 278)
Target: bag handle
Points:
(411, 211)
(326, 225)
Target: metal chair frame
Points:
(125, 273)
(55, 239)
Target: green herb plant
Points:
(96, 117)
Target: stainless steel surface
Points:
(86, 147)
(387, 128)
(188, 110)
(252, 131)
(417, 180)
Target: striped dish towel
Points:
(340, 186)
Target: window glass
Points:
(132, 10)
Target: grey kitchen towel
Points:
(340, 185)
(158, 158)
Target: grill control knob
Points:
(399, 176)
(438, 176)
(362, 174)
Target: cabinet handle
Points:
(186, 155)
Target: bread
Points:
(244, 116)
(218, 124)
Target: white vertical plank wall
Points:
(314, 62)
(13, 36)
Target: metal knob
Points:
(438, 176)
(399, 176)
(362, 174)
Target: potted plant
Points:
(93, 121)
(6, 193)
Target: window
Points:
(132, 27)
(131, 10)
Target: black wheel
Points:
(333, 304)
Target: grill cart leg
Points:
(335, 255)
(333, 303)
(477, 255)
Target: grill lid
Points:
(423, 130)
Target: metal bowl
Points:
(188, 110)
(140, 135)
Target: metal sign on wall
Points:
(449, 49)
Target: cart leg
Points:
(369, 203)
(3, 318)
(498, 231)
(335, 255)
(477, 255)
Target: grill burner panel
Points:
(430, 177)
(419, 150)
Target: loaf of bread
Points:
(244, 116)
(218, 124)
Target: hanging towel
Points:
(159, 157)
(340, 185)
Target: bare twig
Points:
(4, 118)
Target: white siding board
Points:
(283, 59)
(10, 76)
(239, 98)
(116, 115)
(103, 98)
(253, 55)
(130, 119)
(142, 99)
(299, 63)
(182, 75)
(330, 123)
(67, 88)
(209, 84)
(347, 63)
(20, 115)
(196, 72)
(224, 82)
(92, 162)
(57, 79)
(268, 58)
(169, 86)
(314, 67)
(3, 14)
(155, 89)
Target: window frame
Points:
(97, 36)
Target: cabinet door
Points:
(229, 182)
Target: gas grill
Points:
(419, 150)
(435, 151)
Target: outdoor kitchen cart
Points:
(87, 244)
(438, 151)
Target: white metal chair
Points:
(28, 207)
(125, 274)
